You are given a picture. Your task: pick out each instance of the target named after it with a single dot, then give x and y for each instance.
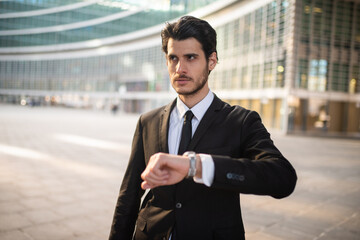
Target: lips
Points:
(182, 78)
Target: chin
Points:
(185, 92)
(182, 90)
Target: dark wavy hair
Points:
(188, 27)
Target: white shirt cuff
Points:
(208, 170)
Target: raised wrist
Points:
(192, 163)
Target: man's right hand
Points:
(164, 169)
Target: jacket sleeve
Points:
(261, 170)
(129, 198)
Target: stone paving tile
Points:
(11, 207)
(41, 216)
(37, 202)
(14, 235)
(71, 210)
(62, 198)
(337, 234)
(347, 229)
(299, 227)
(260, 235)
(88, 237)
(7, 195)
(82, 225)
(53, 231)
(12, 221)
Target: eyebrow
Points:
(191, 54)
(186, 55)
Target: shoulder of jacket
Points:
(153, 113)
(241, 112)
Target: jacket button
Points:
(178, 205)
(229, 176)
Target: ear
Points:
(212, 61)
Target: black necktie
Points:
(186, 133)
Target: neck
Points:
(193, 99)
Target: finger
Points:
(156, 175)
(155, 182)
(145, 185)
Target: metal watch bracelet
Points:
(192, 169)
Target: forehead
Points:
(186, 46)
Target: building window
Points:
(255, 83)
(268, 75)
(258, 29)
(302, 76)
(244, 77)
(280, 73)
(340, 81)
(317, 75)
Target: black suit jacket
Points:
(246, 161)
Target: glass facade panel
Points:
(306, 21)
(28, 5)
(66, 17)
(244, 77)
(258, 29)
(67, 20)
(357, 27)
(256, 80)
(103, 73)
(246, 33)
(343, 23)
(280, 73)
(302, 76)
(268, 75)
(354, 86)
(271, 23)
(340, 77)
(317, 75)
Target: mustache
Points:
(183, 77)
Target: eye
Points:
(172, 58)
(191, 57)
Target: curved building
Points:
(296, 62)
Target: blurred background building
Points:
(296, 62)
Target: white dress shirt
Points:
(175, 127)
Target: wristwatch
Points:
(192, 169)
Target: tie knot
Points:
(188, 116)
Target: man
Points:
(196, 195)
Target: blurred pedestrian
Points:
(114, 109)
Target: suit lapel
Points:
(206, 121)
(164, 127)
(164, 147)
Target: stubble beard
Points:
(198, 84)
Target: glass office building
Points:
(296, 62)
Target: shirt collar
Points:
(198, 110)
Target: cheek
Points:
(170, 68)
(170, 71)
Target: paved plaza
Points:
(61, 169)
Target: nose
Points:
(180, 67)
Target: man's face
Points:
(187, 66)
